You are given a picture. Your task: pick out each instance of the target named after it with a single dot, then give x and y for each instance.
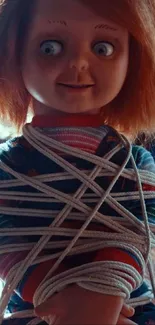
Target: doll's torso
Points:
(23, 158)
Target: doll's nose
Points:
(80, 66)
(79, 62)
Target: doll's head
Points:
(79, 56)
(73, 60)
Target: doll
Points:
(76, 197)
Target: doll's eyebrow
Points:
(99, 26)
(105, 26)
(62, 22)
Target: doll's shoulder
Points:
(143, 158)
(15, 153)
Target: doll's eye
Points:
(103, 48)
(51, 48)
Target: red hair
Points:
(133, 110)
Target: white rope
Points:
(104, 276)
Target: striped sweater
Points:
(89, 135)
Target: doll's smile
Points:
(76, 87)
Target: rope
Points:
(104, 276)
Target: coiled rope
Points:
(103, 276)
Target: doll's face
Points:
(74, 60)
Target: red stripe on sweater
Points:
(118, 255)
(110, 254)
(8, 261)
(36, 278)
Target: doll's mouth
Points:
(76, 86)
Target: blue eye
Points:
(103, 49)
(51, 48)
